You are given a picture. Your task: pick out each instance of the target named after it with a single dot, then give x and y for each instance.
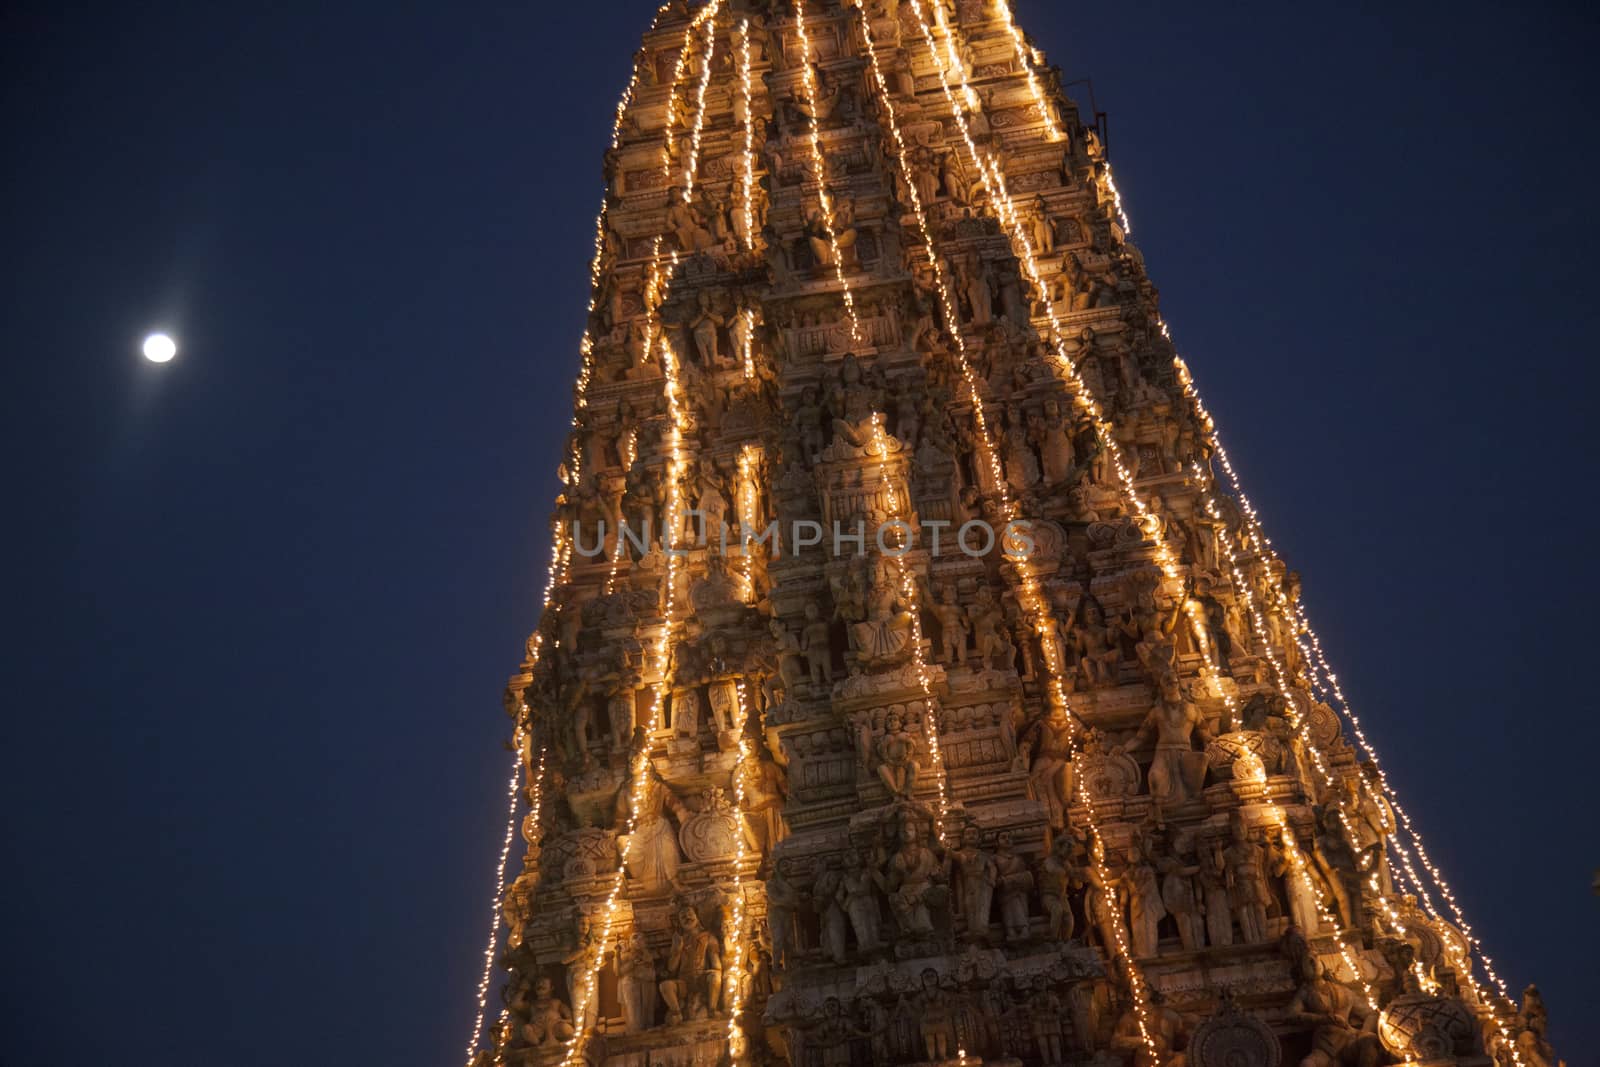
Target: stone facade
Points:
(1076, 795)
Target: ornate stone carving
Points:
(1232, 1038)
(893, 799)
(1427, 1027)
(711, 833)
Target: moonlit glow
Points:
(159, 348)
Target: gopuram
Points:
(915, 684)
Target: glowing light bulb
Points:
(159, 348)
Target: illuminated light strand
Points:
(1300, 722)
(1326, 683)
(633, 83)
(1136, 983)
(535, 808)
(1424, 979)
(1081, 395)
(1137, 986)
(736, 936)
(1280, 818)
(819, 168)
(747, 173)
(692, 169)
(749, 492)
(1301, 725)
(1001, 200)
(1303, 634)
(586, 345)
(1116, 201)
(1045, 628)
(1027, 583)
(1135, 978)
(1005, 208)
(1425, 897)
(1332, 684)
(1251, 532)
(640, 769)
(1211, 672)
(586, 994)
(669, 148)
(952, 56)
(1020, 46)
(559, 569)
(946, 299)
(912, 604)
(748, 356)
(512, 791)
(654, 295)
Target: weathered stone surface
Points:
(1000, 745)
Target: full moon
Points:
(159, 348)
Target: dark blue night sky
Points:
(264, 598)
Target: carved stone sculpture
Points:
(549, 1021)
(1177, 769)
(897, 757)
(977, 876)
(636, 983)
(694, 968)
(1015, 883)
(1343, 1028)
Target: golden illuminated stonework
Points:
(915, 683)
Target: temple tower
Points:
(914, 683)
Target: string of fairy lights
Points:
(745, 504)
(1135, 978)
(750, 472)
(1304, 633)
(1291, 846)
(1325, 682)
(692, 168)
(995, 179)
(1027, 585)
(1026, 61)
(736, 935)
(586, 345)
(747, 172)
(495, 908)
(906, 583)
(586, 992)
(819, 169)
(1301, 726)
(1256, 615)
(1028, 589)
(559, 568)
(560, 563)
(690, 175)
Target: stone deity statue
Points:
(636, 983)
(1247, 882)
(976, 877)
(1015, 883)
(897, 757)
(549, 1021)
(694, 968)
